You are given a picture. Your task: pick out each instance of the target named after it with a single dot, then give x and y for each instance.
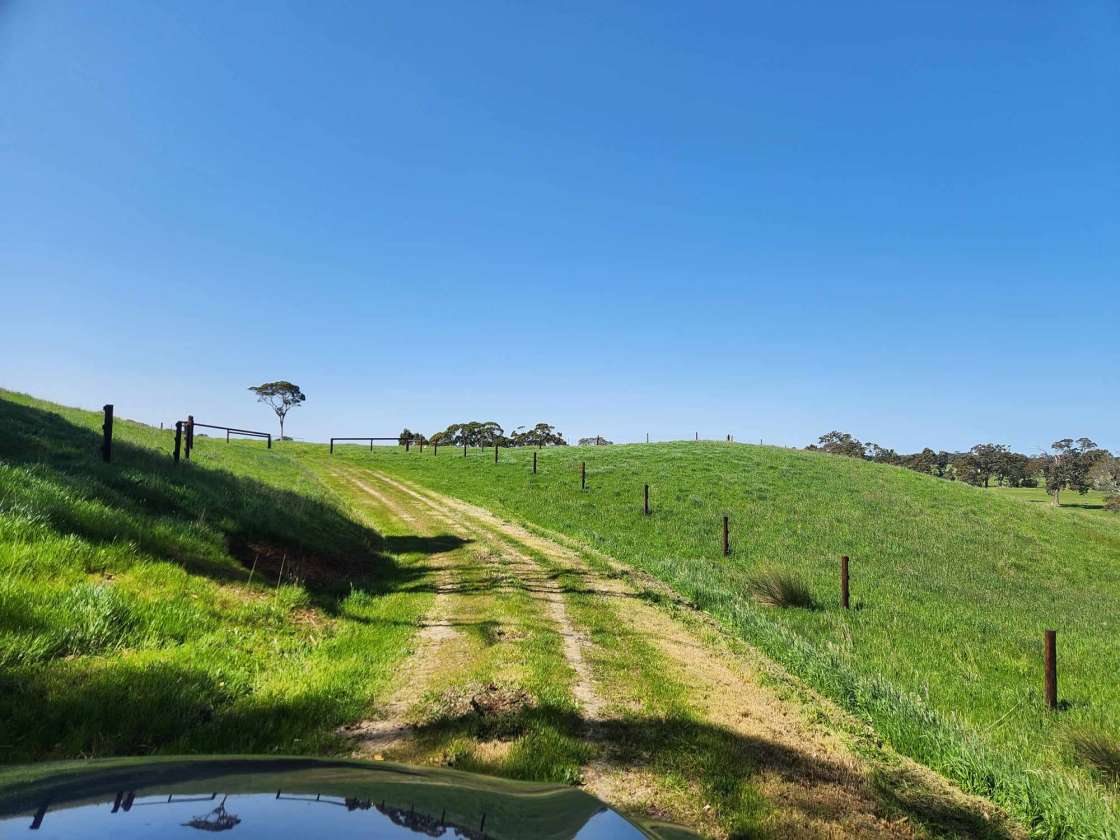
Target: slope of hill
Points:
(227, 605)
(952, 589)
(239, 604)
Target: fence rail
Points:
(397, 438)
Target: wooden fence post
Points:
(435, 448)
(844, 594)
(534, 463)
(178, 438)
(270, 440)
(583, 475)
(332, 445)
(495, 452)
(645, 503)
(107, 434)
(464, 450)
(1050, 664)
(190, 435)
(726, 537)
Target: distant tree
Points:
(281, 397)
(986, 460)
(1068, 466)
(541, 434)
(1104, 475)
(1013, 470)
(472, 433)
(965, 466)
(882, 456)
(598, 440)
(840, 443)
(409, 436)
(923, 462)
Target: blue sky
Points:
(770, 219)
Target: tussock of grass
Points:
(1098, 752)
(780, 589)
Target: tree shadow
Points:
(726, 766)
(133, 708)
(1076, 505)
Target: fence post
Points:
(107, 434)
(1050, 637)
(270, 440)
(435, 448)
(332, 445)
(407, 444)
(697, 437)
(844, 593)
(582, 475)
(495, 452)
(534, 463)
(421, 445)
(645, 503)
(178, 438)
(190, 435)
(726, 537)
(464, 450)
(647, 437)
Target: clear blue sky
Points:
(776, 219)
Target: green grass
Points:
(952, 587)
(1091, 501)
(232, 604)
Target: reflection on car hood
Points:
(297, 797)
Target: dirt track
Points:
(801, 752)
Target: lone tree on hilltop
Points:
(280, 396)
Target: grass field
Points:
(253, 601)
(1091, 501)
(952, 588)
(132, 619)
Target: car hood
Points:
(297, 797)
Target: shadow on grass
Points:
(123, 708)
(1077, 505)
(209, 521)
(725, 766)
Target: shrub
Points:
(780, 589)
(1098, 752)
(1112, 503)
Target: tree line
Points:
(488, 433)
(1071, 464)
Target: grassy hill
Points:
(952, 589)
(206, 607)
(239, 603)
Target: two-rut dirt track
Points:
(623, 638)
